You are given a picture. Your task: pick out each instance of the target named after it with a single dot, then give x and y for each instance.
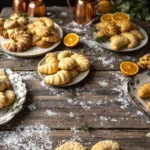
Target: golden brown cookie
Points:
(71, 145)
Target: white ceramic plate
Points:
(33, 51)
(8, 113)
(141, 43)
(133, 86)
(81, 76)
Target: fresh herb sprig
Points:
(137, 10)
(95, 29)
(86, 127)
(102, 39)
(23, 15)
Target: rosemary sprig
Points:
(95, 29)
(23, 15)
(86, 127)
(102, 39)
(82, 51)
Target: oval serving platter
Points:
(141, 43)
(19, 88)
(81, 76)
(33, 51)
(133, 86)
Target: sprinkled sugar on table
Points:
(52, 116)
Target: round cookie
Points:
(71, 145)
(9, 24)
(106, 145)
(2, 100)
(10, 97)
(73, 72)
(63, 54)
(82, 63)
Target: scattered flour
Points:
(85, 106)
(74, 130)
(103, 84)
(51, 113)
(63, 14)
(7, 56)
(74, 27)
(31, 107)
(33, 137)
(71, 114)
(69, 100)
(121, 88)
(139, 113)
(28, 75)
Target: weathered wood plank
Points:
(101, 100)
(41, 137)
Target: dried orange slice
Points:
(129, 68)
(119, 16)
(71, 40)
(106, 17)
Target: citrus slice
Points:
(71, 40)
(106, 17)
(129, 68)
(119, 16)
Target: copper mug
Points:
(84, 12)
(36, 8)
(20, 6)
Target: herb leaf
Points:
(95, 29)
(23, 15)
(102, 39)
(86, 127)
(138, 10)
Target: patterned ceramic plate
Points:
(133, 87)
(81, 76)
(6, 114)
(141, 43)
(33, 51)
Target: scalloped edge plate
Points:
(141, 44)
(81, 76)
(33, 51)
(19, 88)
(133, 86)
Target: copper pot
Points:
(84, 12)
(36, 8)
(20, 6)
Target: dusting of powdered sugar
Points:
(63, 15)
(31, 107)
(74, 27)
(32, 137)
(51, 113)
(7, 56)
(121, 89)
(62, 91)
(28, 75)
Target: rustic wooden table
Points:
(52, 116)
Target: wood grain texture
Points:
(97, 101)
(101, 100)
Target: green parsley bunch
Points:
(136, 9)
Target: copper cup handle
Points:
(73, 9)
